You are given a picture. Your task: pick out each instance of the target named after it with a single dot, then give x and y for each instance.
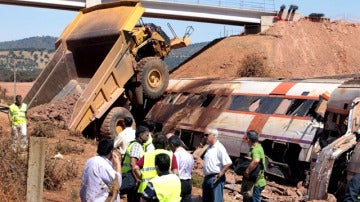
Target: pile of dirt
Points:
(57, 113)
(299, 49)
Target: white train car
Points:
(287, 113)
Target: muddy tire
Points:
(113, 124)
(154, 77)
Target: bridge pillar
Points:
(90, 3)
(265, 23)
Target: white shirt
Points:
(185, 163)
(123, 139)
(98, 174)
(215, 159)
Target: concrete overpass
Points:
(240, 13)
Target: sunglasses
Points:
(206, 134)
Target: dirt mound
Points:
(288, 49)
(57, 113)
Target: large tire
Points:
(114, 122)
(154, 76)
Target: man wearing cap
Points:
(101, 173)
(133, 153)
(216, 162)
(258, 156)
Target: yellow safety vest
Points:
(18, 114)
(126, 167)
(167, 188)
(149, 170)
(149, 141)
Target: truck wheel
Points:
(114, 122)
(154, 76)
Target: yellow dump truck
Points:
(112, 61)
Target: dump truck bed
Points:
(92, 60)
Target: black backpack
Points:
(242, 163)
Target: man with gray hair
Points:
(216, 162)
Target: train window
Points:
(254, 104)
(192, 100)
(283, 106)
(170, 98)
(196, 100)
(208, 100)
(294, 107)
(183, 97)
(312, 110)
(304, 109)
(268, 105)
(240, 103)
(220, 102)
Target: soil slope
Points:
(288, 49)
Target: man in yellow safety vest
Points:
(147, 162)
(166, 187)
(17, 119)
(133, 153)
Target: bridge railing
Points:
(262, 5)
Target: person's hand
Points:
(216, 178)
(116, 158)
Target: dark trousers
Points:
(186, 190)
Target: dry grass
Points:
(67, 148)
(13, 173)
(57, 172)
(197, 179)
(14, 167)
(253, 66)
(43, 130)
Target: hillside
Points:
(30, 55)
(288, 49)
(32, 43)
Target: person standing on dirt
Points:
(166, 186)
(17, 119)
(133, 153)
(185, 163)
(148, 145)
(101, 173)
(216, 162)
(258, 156)
(124, 138)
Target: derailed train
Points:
(307, 127)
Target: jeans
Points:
(213, 192)
(256, 195)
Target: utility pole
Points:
(14, 78)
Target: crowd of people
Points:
(148, 167)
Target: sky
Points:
(18, 22)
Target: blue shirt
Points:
(97, 175)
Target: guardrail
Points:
(262, 5)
